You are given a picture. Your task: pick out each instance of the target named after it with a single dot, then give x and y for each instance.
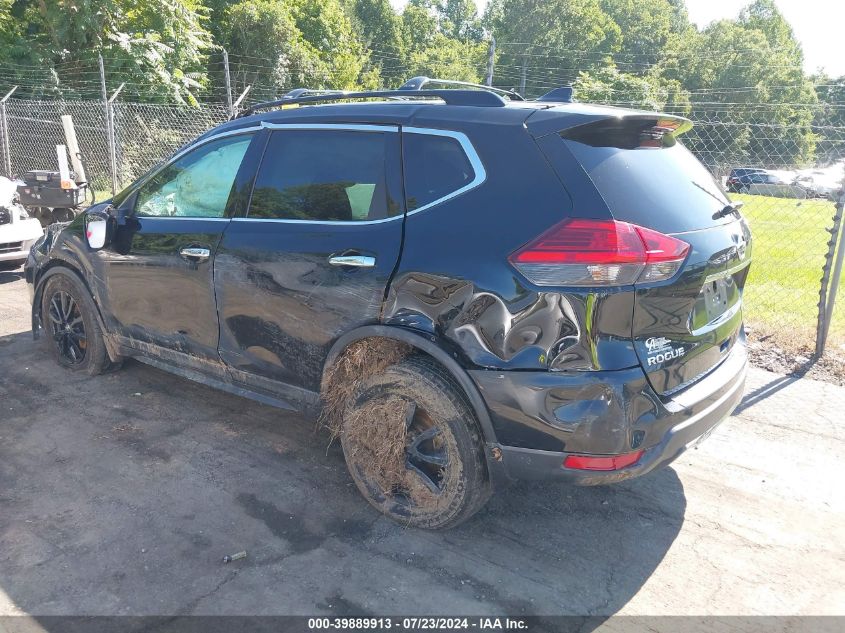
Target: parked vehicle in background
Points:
(822, 183)
(764, 182)
(740, 177)
(18, 231)
(776, 186)
(472, 289)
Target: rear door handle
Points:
(354, 261)
(195, 254)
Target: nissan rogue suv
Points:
(469, 287)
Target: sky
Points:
(818, 24)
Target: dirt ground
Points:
(121, 494)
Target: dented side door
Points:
(287, 288)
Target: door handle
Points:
(195, 254)
(353, 261)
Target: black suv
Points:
(740, 179)
(471, 287)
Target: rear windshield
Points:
(658, 185)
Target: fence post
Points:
(4, 132)
(828, 300)
(228, 84)
(113, 144)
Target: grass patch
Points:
(790, 243)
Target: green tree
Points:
(157, 47)
(275, 46)
(381, 29)
(829, 121)
(748, 72)
(650, 91)
(652, 30)
(552, 40)
(447, 58)
(431, 51)
(459, 20)
(268, 51)
(328, 29)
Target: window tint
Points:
(324, 175)
(435, 166)
(197, 184)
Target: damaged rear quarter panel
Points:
(454, 281)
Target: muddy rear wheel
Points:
(413, 446)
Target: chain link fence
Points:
(792, 210)
(790, 203)
(145, 134)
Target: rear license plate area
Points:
(715, 295)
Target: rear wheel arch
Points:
(428, 346)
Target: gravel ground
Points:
(121, 494)
(773, 358)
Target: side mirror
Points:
(97, 228)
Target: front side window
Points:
(435, 167)
(198, 184)
(324, 175)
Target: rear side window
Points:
(655, 183)
(324, 175)
(435, 168)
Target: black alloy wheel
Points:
(67, 327)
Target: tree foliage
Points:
(555, 38)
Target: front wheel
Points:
(71, 327)
(413, 446)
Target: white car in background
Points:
(18, 232)
(825, 183)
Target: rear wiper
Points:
(733, 207)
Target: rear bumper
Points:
(603, 413)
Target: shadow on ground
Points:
(8, 276)
(122, 493)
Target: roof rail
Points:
(417, 83)
(481, 98)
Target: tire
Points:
(63, 214)
(72, 328)
(413, 446)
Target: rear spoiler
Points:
(629, 132)
(564, 118)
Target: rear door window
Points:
(659, 185)
(436, 168)
(324, 175)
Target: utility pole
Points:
(524, 73)
(491, 58)
(228, 83)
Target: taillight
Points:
(582, 252)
